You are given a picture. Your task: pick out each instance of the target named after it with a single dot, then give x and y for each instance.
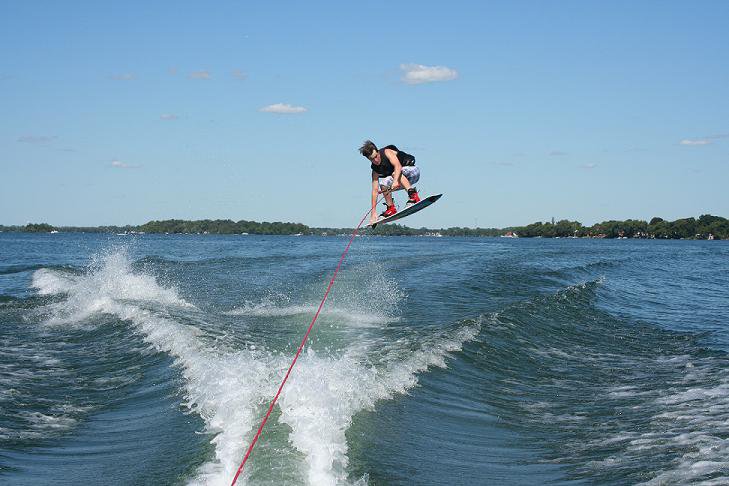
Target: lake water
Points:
(152, 359)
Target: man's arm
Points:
(392, 157)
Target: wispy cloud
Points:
(704, 140)
(123, 77)
(283, 108)
(238, 74)
(172, 71)
(168, 117)
(418, 73)
(200, 75)
(118, 164)
(505, 164)
(36, 139)
(588, 166)
(557, 153)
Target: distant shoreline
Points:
(705, 227)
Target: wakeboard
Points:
(424, 203)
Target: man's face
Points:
(375, 157)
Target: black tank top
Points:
(385, 168)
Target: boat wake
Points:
(229, 387)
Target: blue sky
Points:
(124, 112)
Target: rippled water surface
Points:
(151, 360)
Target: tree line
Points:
(703, 227)
(224, 227)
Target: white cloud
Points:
(168, 116)
(557, 153)
(123, 77)
(36, 139)
(283, 108)
(118, 164)
(588, 166)
(418, 74)
(238, 74)
(704, 140)
(200, 75)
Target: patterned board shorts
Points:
(410, 171)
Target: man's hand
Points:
(373, 218)
(391, 188)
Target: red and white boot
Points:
(413, 197)
(389, 211)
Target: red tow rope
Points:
(298, 352)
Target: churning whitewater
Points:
(228, 388)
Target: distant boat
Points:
(510, 234)
(53, 232)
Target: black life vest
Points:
(385, 168)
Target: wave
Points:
(586, 268)
(230, 388)
(271, 309)
(11, 269)
(108, 284)
(38, 426)
(604, 396)
(229, 260)
(31, 374)
(8, 299)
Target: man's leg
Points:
(385, 185)
(404, 182)
(386, 189)
(411, 175)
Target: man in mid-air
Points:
(392, 169)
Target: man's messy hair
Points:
(367, 148)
